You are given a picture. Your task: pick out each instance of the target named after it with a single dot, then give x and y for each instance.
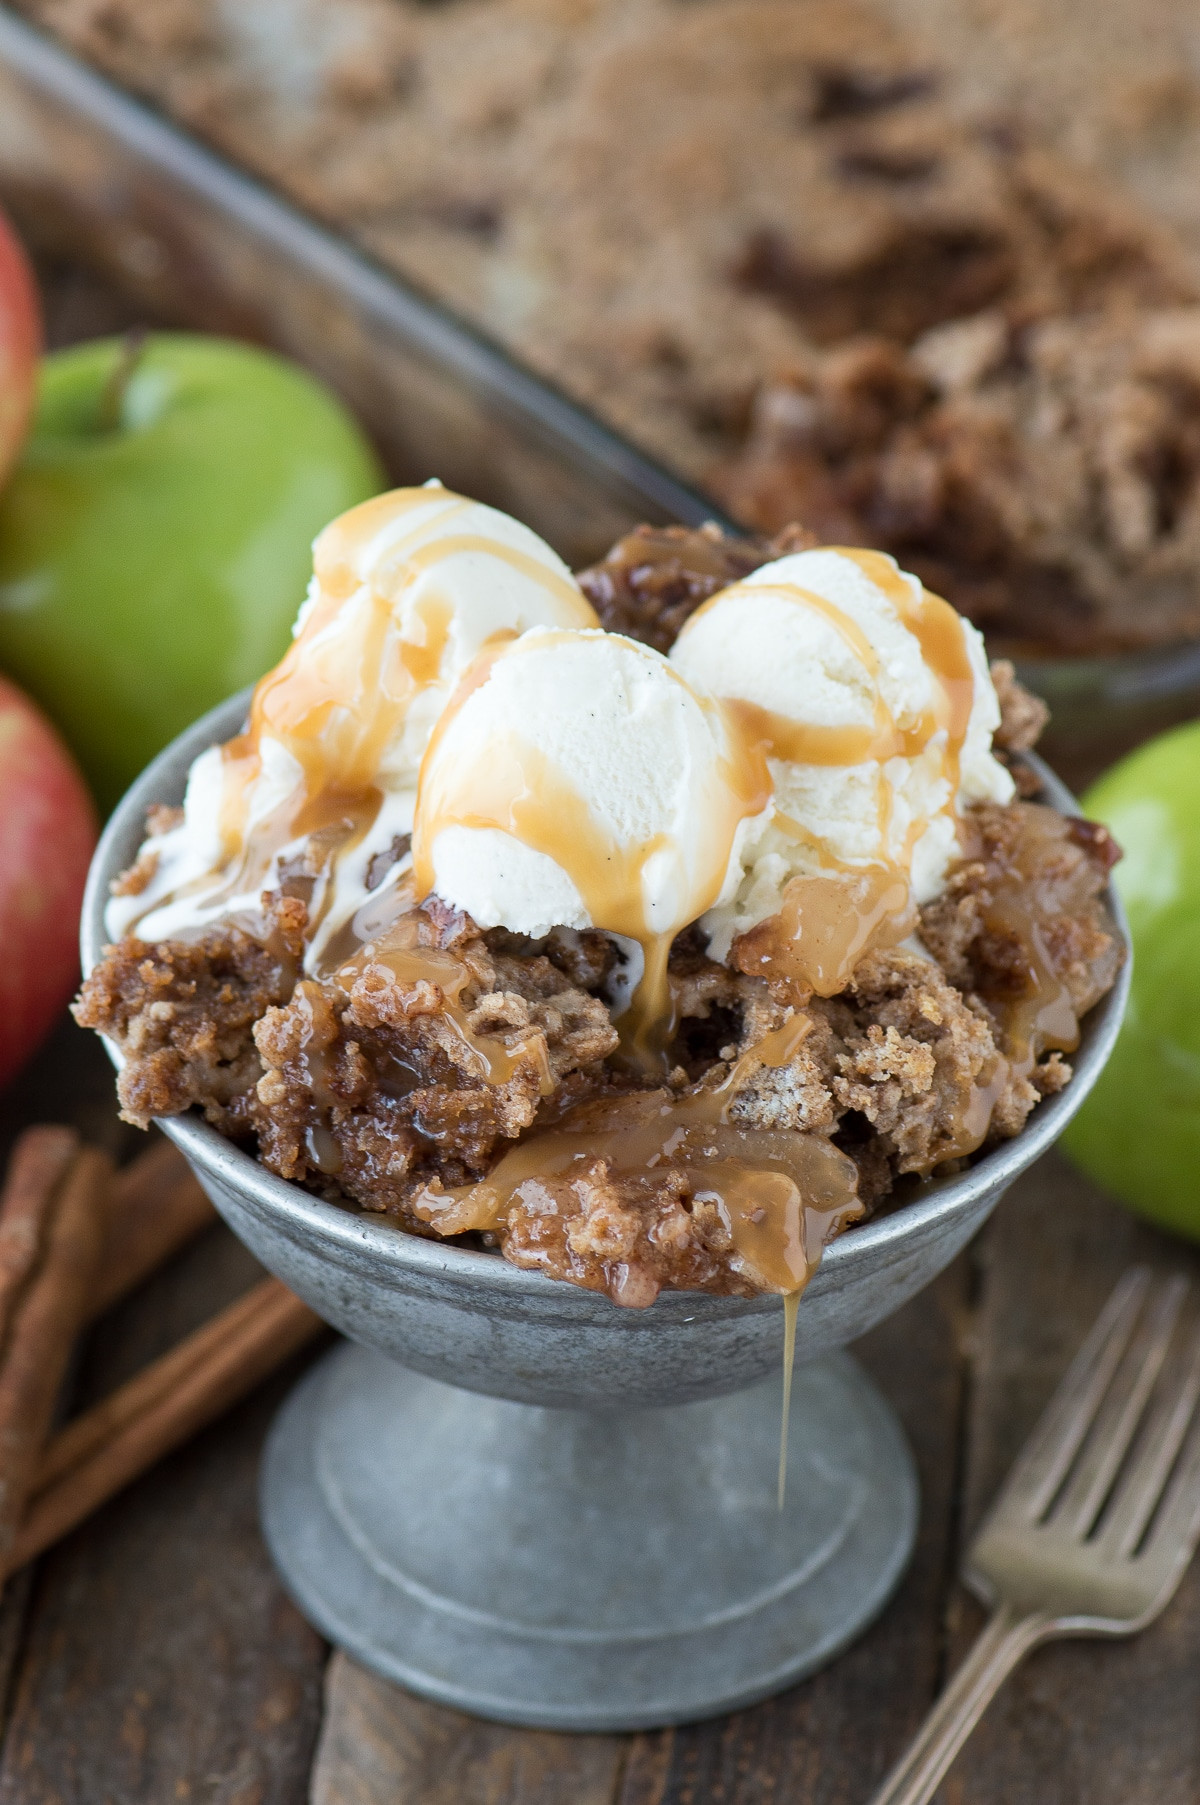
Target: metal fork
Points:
(1097, 1522)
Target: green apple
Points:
(1138, 1134)
(155, 539)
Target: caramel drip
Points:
(318, 1031)
(424, 662)
(431, 980)
(829, 920)
(1042, 1019)
(781, 1195)
(337, 550)
(333, 825)
(810, 743)
(336, 703)
(521, 792)
(938, 630)
(529, 566)
(336, 706)
(843, 625)
(791, 1309)
(973, 1118)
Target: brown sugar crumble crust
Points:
(370, 1091)
(1041, 473)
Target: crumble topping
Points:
(371, 1094)
(401, 1087)
(656, 576)
(1043, 474)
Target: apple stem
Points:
(112, 396)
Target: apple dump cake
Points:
(793, 250)
(653, 960)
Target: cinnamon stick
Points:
(45, 1319)
(36, 1168)
(167, 1403)
(157, 1206)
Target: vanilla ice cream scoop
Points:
(578, 780)
(406, 590)
(874, 705)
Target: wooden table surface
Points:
(153, 1657)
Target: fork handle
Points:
(1008, 1636)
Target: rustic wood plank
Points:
(159, 1658)
(67, 1081)
(162, 1660)
(70, 1080)
(382, 1746)
(1101, 1723)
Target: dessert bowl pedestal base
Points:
(598, 1547)
(586, 1570)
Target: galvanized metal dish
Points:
(518, 1499)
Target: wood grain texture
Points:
(72, 1081)
(158, 1658)
(161, 1659)
(381, 1744)
(1082, 1723)
(158, 1205)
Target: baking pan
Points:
(87, 171)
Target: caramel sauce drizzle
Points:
(791, 1309)
(337, 703)
(337, 700)
(781, 1196)
(520, 792)
(829, 920)
(1037, 1015)
(778, 1216)
(938, 630)
(1035, 1011)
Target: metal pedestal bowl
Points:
(516, 1498)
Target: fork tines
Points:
(1115, 1459)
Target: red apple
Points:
(47, 833)
(20, 345)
